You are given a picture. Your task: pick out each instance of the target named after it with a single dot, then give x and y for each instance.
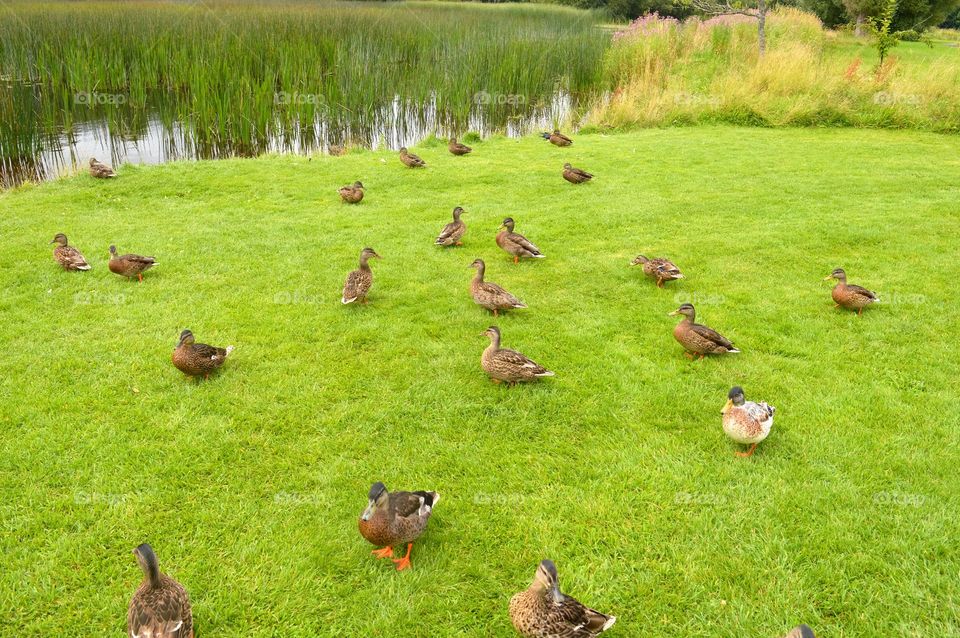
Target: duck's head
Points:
(687, 310)
(147, 561)
(376, 498)
(639, 259)
(368, 252)
(403, 149)
(59, 239)
(508, 224)
(556, 131)
(453, 140)
(457, 212)
(477, 263)
(734, 397)
(838, 274)
(546, 579)
(113, 250)
(186, 339)
(358, 184)
(93, 161)
(494, 333)
(568, 167)
(545, 136)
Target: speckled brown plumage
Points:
(67, 256)
(411, 160)
(516, 244)
(196, 359)
(503, 365)
(746, 422)
(490, 295)
(129, 265)
(352, 194)
(850, 296)
(800, 631)
(557, 138)
(457, 148)
(359, 281)
(396, 518)
(575, 175)
(100, 170)
(542, 611)
(160, 608)
(658, 268)
(452, 232)
(699, 339)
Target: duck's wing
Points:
(576, 620)
(209, 352)
(162, 614)
(406, 504)
(515, 359)
(447, 232)
(492, 290)
(523, 242)
(863, 292)
(712, 335)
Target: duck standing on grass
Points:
(516, 244)
(658, 268)
(490, 295)
(850, 296)
(746, 422)
(698, 339)
(160, 608)
(197, 359)
(508, 366)
(457, 148)
(352, 194)
(395, 518)
(543, 611)
(101, 170)
(557, 138)
(359, 281)
(575, 175)
(67, 256)
(452, 232)
(411, 160)
(129, 265)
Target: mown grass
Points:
(249, 485)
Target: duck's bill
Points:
(726, 407)
(828, 277)
(367, 513)
(673, 314)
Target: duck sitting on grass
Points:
(100, 170)
(575, 175)
(543, 611)
(67, 256)
(196, 359)
(557, 138)
(457, 148)
(411, 160)
(352, 194)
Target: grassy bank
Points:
(249, 485)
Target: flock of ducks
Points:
(160, 607)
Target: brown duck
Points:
(503, 365)
(575, 175)
(850, 296)
(696, 338)
(452, 232)
(543, 611)
(516, 244)
(160, 608)
(800, 631)
(658, 268)
(197, 359)
(490, 295)
(557, 138)
(395, 518)
(457, 148)
(129, 265)
(352, 194)
(359, 281)
(100, 170)
(68, 256)
(411, 160)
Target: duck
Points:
(68, 256)
(457, 148)
(100, 170)
(452, 232)
(396, 518)
(160, 608)
(411, 160)
(508, 366)
(658, 268)
(543, 611)
(850, 296)
(699, 339)
(359, 281)
(195, 359)
(490, 295)
(557, 138)
(336, 150)
(352, 194)
(575, 175)
(800, 631)
(516, 244)
(129, 265)
(746, 422)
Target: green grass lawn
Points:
(249, 485)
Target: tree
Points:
(884, 38)
(726, 7)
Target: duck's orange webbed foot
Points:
(516, 259)
(688, 355)
(404, 563)
(749, 451)
(140, 277)
(386, 552)
(659, 283)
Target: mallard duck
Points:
(129, 265)
(800, 631)
(542, 611)
(490, 295)
(452, 232)
(68, 256)
(101, 170)
(352, 194)
(515, 243)
(395, 518)
(575, 175)
(849, 295)
(746, 422)
(508, 365)
(557, 138)
(359, 281)
(195, 359)
(411, 160)
(457, 148)
(698, 339)
(336, 150)
(160, 608)
(658, 268)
